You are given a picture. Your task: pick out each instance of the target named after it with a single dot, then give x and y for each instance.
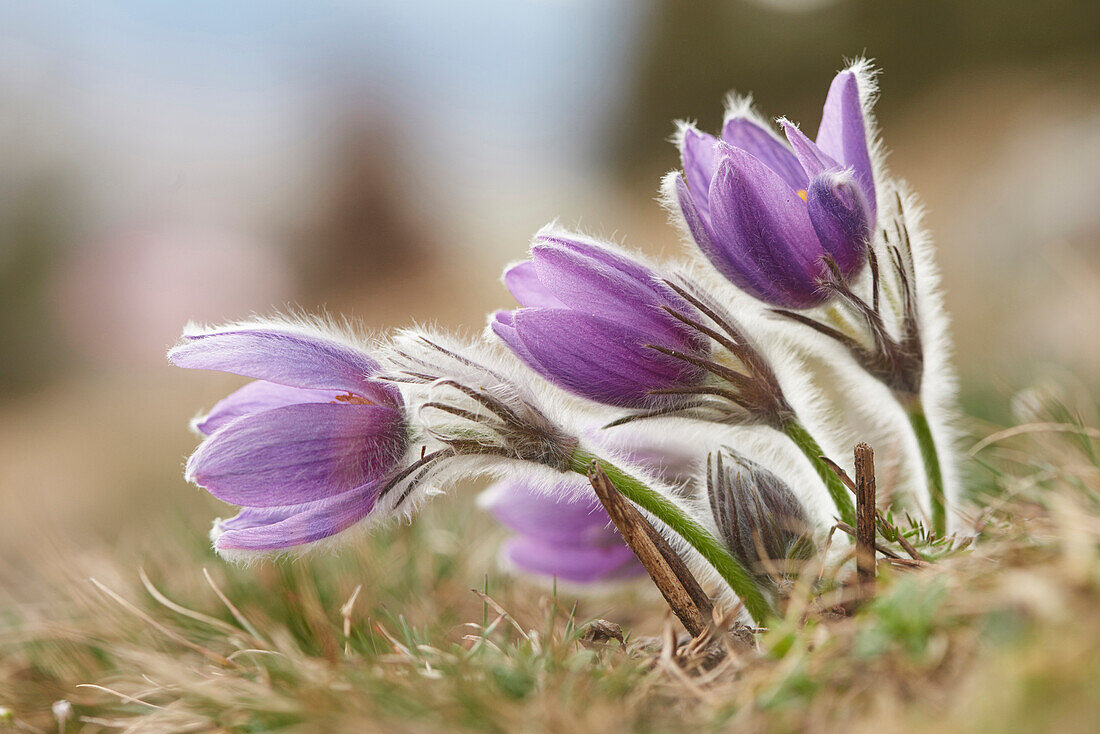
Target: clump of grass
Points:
(1001, 634)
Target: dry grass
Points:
(1001, 636)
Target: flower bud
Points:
(758, 516)
(593, 322)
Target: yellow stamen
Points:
(802, 194)
(352, 399)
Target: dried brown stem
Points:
(849, 530)
(676, 583)
(885, 527)
(905, 544)
(865, 516)
(841, 474)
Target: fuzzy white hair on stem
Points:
(449, 369)
(939, 387)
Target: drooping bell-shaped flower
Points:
(564, 533)
(306, 449)
(595, 322)
(767, 213)
(562, 529)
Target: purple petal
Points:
(693, 216)
(570, 514)
(674, 464)
(646, 285)
(843, 133)
(700, 159)
(286, 358)
(256, 397)
(597, 358)
(725, 257)
(256, 517)
(814, 160)
(590, 286)
(284, 527)
(523, 283)
(504, 326)
(764, 222)
(582, 565)
(600, 256)
(748, 135)
(298, 453)
(840, 218)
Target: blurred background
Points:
(162, 162)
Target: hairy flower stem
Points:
(914, 408)
(841, 497)
(732, 572)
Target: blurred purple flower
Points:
(766, 213)
(306, 448)
(590, 318)
(564, 532)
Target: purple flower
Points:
(766, 213)
(590, 320)
(564, 533)
(306, 448)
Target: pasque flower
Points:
(494, 419)
(792, 223)
(306, 448)
(618, 318)
(590, 320)
(767, 213)
(327, 438)
(564, 532)
(562, 528)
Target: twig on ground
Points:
(849, 530)
(886, 528)
(865, 517)
(681, 590)
(902, 541)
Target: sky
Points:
(217, 110)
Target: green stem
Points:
(732, 572)
(840, 494)
(914, 408)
